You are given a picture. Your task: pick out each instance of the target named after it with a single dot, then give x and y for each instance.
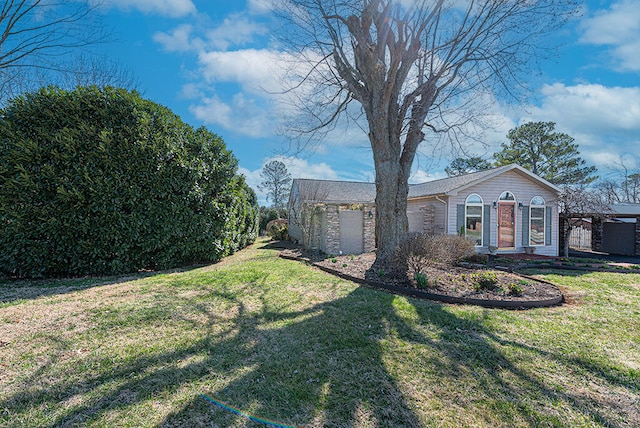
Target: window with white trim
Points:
(473, 218)
(536, 221)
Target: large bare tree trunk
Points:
(391, 209)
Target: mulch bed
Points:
(446, 284)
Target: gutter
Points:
(446, 213)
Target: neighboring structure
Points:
(506, 209)
(618, 230)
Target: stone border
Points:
(498, 304)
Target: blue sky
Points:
(216, 63)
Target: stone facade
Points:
(596, 234)
(637, 236)
(369, 228)
(333, 229)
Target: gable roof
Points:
(333, 191)
(450, 186)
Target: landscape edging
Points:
(498, 304)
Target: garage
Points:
(619, 237)
(351, 231)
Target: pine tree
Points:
(552, 155)
(276, 181)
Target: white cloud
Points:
(256, 70)
(260, 6)
(178, 40)
(618, 27)
(235, 30)
(243, 115)
(590, 108)
(170, 8)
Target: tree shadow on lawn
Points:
(327, 365)
(12, 290)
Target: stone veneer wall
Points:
(333, 229)
(369, 228)
(561, 227)
(596, 234)
(637, 236)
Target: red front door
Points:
(506, 225)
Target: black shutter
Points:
(525, 226)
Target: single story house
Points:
(505, 210)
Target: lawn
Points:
(283, 341)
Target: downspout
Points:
(446, 214)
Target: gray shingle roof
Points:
(336, 191)
(332, 191)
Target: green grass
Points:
(283, 341)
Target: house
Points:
(506, 209)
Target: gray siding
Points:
(416, 216)
(523, 189)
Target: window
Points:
(536, 221)
(507, 196)
(473, 218)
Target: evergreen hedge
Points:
(101, 181)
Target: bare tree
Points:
(37, 36)
(88, 70)
(306, 203)
(578, 201)
(411, 67)
(624, 188)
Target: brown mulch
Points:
(447, 281)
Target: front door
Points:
(506, 225)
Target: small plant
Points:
(344, 265)
(435, 281)
(351, 257)
(515, 289)
(334, 260)
(484, 281)
(634, 267)
(381, 273)
(422, 281)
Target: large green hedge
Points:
(102, 181)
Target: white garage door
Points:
(351, 232)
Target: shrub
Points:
(421, 280)
(278, 229)
(484, 281)
(266, 216)
(101, 181)
(515, 289)
(418, 250)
